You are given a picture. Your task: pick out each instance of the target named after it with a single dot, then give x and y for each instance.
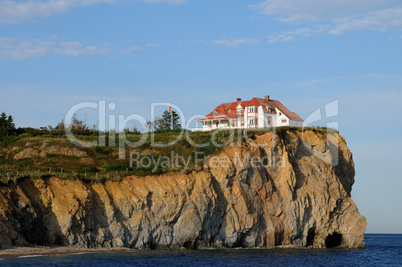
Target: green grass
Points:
(103, 163)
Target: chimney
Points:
(238, 99)
(267, 97)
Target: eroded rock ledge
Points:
(297, 194)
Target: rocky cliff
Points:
(277, 189)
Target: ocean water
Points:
(382, 250)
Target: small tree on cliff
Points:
(170, 120)
(7, 126)
(76, 126)
(166, 121)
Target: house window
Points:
(216, 113)
(284, 121)
(240, 123)
(233, 123)
(251, 121)
(269, 121)
(280, 113)
(239, 111)
(251, 109)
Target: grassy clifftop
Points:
(45, 156)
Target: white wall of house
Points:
(251, 115)
(245, 117)
(266, 120)
(206, 126)
(281, 119)
(295, 123)
(240, 122)
(261, 118)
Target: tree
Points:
(7, 126)
(60, 128)
(176, 119)
(135, 130)
(163, 123)
(76, 126)
(170, 120)
(159, 124)
(166, 121)
(152, 126)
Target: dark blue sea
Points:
(382, 250)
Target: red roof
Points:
(229, 110)
(288, 113)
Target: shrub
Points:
(102, 150)
(4, 161)
(117, 167)
(93, 169)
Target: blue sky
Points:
(197, 54)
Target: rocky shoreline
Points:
(19, 252)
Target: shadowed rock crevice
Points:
(213, 221)
(38, 223)
(310, 237)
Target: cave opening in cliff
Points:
(310, 237)
(334, 240)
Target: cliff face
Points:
(271, 191)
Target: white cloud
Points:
(78, 49)
(12, 11)
(153, 45)
(19, 49)
(19, 11)
(290, 35)
(389, 19)
(234, 43)
(320, 10)
(172, 2)
(131, 49)
(333, 17)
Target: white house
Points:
(253, 114)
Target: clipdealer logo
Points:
(329, 113)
